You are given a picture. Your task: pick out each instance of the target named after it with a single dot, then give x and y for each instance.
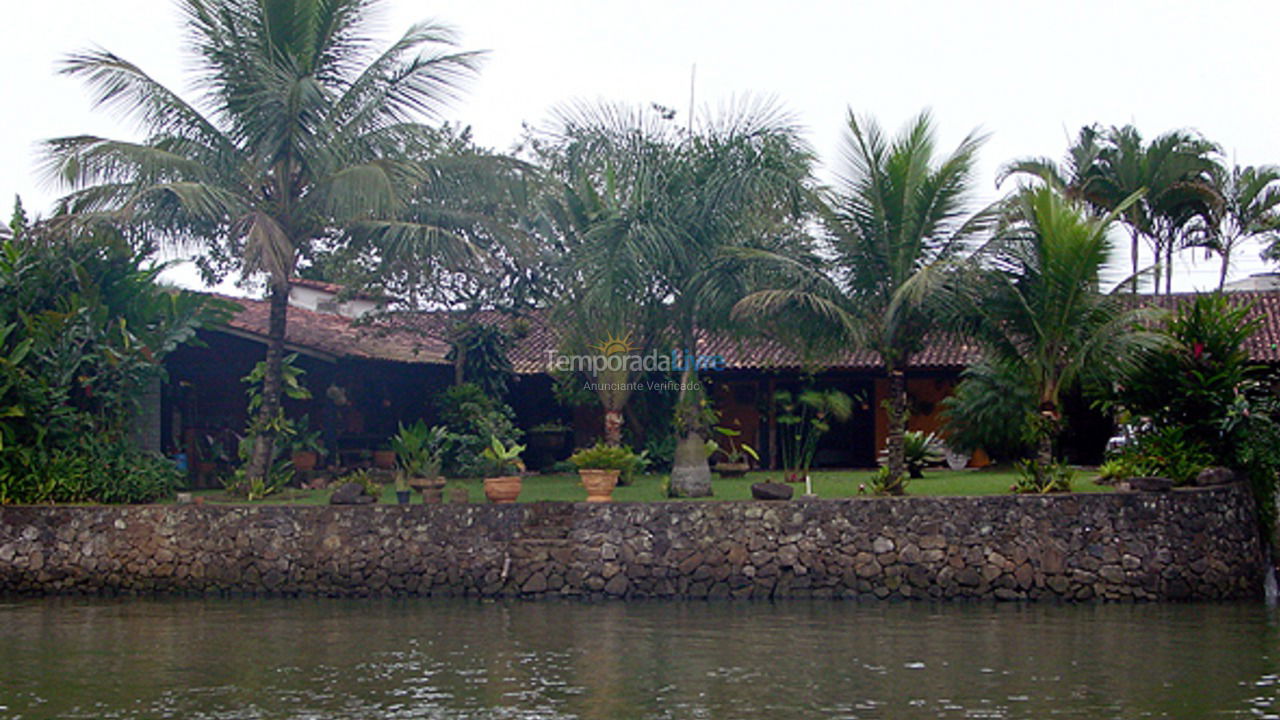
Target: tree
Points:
(894, 225)
(1106, 168)
(1032, 298)
(692, 196)
(1250, 208)
(301, 134)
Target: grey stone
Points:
(350, 494)
(771, 491)
(1215, 476)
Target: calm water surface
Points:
(461, 659)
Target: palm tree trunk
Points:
(613, 427)
(690, 472)
(1133, 255)
(895, 449)
(1168, 269)
(1044, 450)
(272, 384)
(1226, 264)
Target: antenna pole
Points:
(693, 77)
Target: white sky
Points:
(1028, 72)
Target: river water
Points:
(431, 658)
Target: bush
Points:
(990, 410)
(91, 470)
(1169, 452)
(1034, 478)
(920, 450)
(604, 457)
(475, 420)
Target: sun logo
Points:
(615, 345)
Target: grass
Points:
(648, 488)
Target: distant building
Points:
(1262, 282)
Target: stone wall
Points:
(1196, 544)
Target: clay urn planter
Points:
(599, 468)
(599, 483)
(431, 489)
(502, 489)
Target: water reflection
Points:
(459, 659)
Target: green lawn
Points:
(647, 488)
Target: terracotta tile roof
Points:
(421, 338)
(338, 336)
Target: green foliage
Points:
(920, 451)
(84, 329)
(484, 351)
(304, 438)
(884, 482)
(420, 450)
(499, 459)
(1194, 379)
(474, 420)
(734, 451)
(1171, 452)
(990, 410)
(92, 469)
(803, 419)
(364, 479)
(1117, 468)
(1038, 478)
(604, 457)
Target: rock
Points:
(350, 494)
(1215, 476)
(771, 491)
(1149, 484)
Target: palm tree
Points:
(736, 180)
(1250, 208)
(1106, 168)
(301, 133)
(894, 224)
(1033, 301)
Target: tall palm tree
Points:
(1104, 168)
(895, 222)
(1033, 300)
(302, 131)
(1250, 208)
(736, 180)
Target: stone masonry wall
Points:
(1198, 544)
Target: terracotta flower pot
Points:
(432, 489)
(502, 489)
(599, 483)
(305, 460)
(384, 459)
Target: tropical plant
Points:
(500, 459)
(991, 409)
(1032, 300)
(303, 133)
(921, 450)
(603, 456)
(894, 225)
(734, 451)
(1163, 185)
(884, 482)
(803, 418)
(305, 439)
(365, 480)
(1039, 478)
(473, 420)
(687, 199)
(420, 450)
(1170, 452)
(1250, 209)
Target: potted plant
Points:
(305, 447)
(402, 487)
(599, 467)
(735, 454)
(420, 453)
(501, 483)
(920, 450)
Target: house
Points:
(369, 373)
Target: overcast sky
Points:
(1029, 73)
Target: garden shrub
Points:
(475, 420)
(991, 410)
(1034, 478)
(84, 329)
(1171, 452)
